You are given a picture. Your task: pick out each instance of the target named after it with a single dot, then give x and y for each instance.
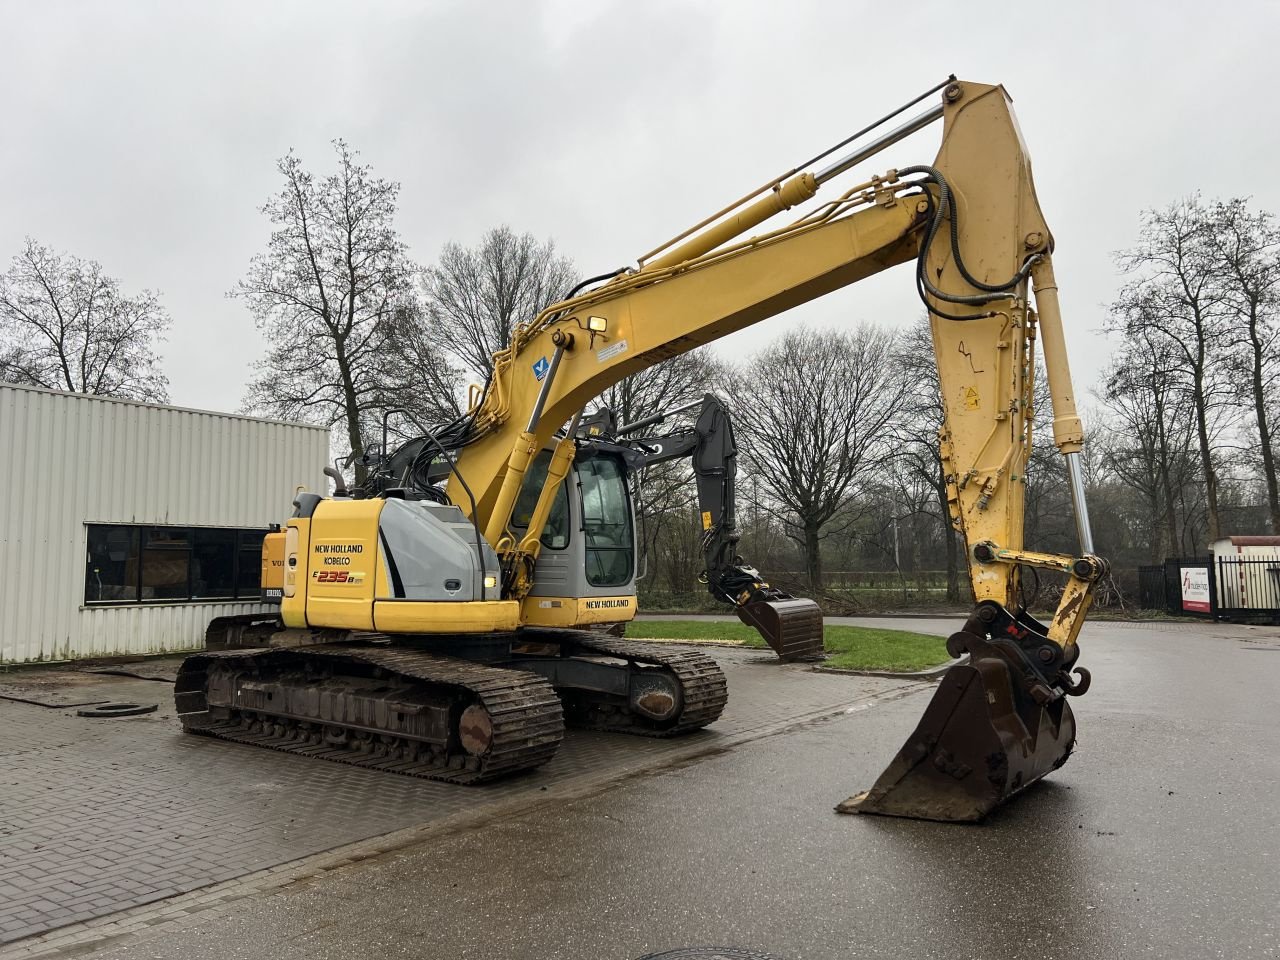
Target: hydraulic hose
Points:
(945, 205)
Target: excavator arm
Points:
(792, 626)
(972, 227)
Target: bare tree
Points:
(332, 293)
(1132, 452)
(476, 295)
(1175, 295)
(919, 454)
(1048, 515)
(1151, 446)
(826, 405)
(681, 379)
(417, 376)
(1246, 245)
(66, 325)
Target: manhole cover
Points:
(708, 953)
(118, 710)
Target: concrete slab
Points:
(63, 688)
(98, 816)
(1156, 839)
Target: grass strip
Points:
(852, 648)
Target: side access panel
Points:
(341, 564)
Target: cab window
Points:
(606, 521)
(555, 535)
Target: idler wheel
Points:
(656, 695)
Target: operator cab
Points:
(588, 544)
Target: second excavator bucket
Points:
(793, 628)
(994, 727)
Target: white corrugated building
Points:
(125, 527)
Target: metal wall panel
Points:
(73, 459)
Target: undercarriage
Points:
(461, 710)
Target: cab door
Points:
(585, 571)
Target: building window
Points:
(213, 564)
(113, 565)
(249, 563)
(165, 564)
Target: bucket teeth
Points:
(793, 628)
(986, 735)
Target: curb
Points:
(933, 673)
(730, 644)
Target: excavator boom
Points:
(971, 223)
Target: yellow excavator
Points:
(438, 621)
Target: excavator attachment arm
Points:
(792, 626)
(1001, 721)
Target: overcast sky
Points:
(145, 135)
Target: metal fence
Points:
(1151, 592)
(1221, 588)
(1248, 588)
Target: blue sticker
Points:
(540, 368)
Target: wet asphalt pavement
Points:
(1158, 839)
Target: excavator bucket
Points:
(992, 729)
(793, 628)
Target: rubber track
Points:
(702, 681)
(215, 634)
(528, 721)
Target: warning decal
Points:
(605, 354)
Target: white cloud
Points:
(144, 135)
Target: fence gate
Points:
(1248, 588)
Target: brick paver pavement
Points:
(98, 816)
